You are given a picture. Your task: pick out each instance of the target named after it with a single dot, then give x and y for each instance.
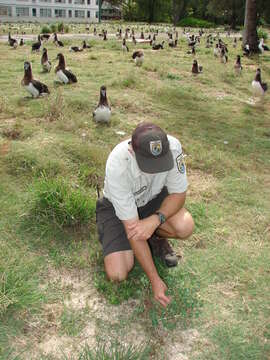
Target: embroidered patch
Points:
(156, 147)
(180, 163)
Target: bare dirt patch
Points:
(201, 185)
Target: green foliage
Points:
(171, 76)
(183, 288)
(262, 34)
(53, 28)
(233, 345)
(46, 29)
(72, 322)
(196, 23)
(115, 351)
(18, 282)
(66, 28)
(54, 201)
(116, 293)
(60, 27)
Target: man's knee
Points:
(185, 228)
(116, 276)
(118, 265)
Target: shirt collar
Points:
(136, 172)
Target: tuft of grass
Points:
(54, 201)
(54, 107)
(171, 76)
(115, 351)
(72, 322)
(23, 160)
(18, 281)
(13, 133)
(90, 176)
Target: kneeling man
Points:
(143, 205)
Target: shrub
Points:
(262, 34)
(53, 28)
(60, 27)
(66, 28)
(193, 22)
(55, 201)
(46, 29)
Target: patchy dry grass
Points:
(55, 302)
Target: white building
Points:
(49, 10)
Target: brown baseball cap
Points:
(152, 149)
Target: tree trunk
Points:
(250, 29)
(233, 16)
(151, 11)
(179, 8)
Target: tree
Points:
(178, 10)
(250, 28)
(228, 11)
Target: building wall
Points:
(49, 10)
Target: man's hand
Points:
(159, 288)
(142, 229)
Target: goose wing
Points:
(264, 86)
(42, 88)
(70, 76)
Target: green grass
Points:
(54, 294)
(114, 351)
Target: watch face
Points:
(162, 218)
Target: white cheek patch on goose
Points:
(181, 164)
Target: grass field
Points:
(55, 301)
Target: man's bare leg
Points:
(179, 226)
(119, 264)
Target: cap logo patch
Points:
(156, 147)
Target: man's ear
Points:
(130, 148)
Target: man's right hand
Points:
(159, 288)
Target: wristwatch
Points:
(161, 217)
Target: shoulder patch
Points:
(180, 163)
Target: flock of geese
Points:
(102, 113)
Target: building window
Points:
(79, 2)
(45, 13)
(5, 11)
(60, 13)
(46, 1)
(79, 14)
(70, 13)
(88, 14)
(88, 2)
(97, 2)
(70, 1)
(60, 1)
(34, 12)
(96, 14)
(22, 11)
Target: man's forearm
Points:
(143, 255)
(172, 204)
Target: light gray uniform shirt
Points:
(127, 187)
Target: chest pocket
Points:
(140, 191)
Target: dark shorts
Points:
(111, 230)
